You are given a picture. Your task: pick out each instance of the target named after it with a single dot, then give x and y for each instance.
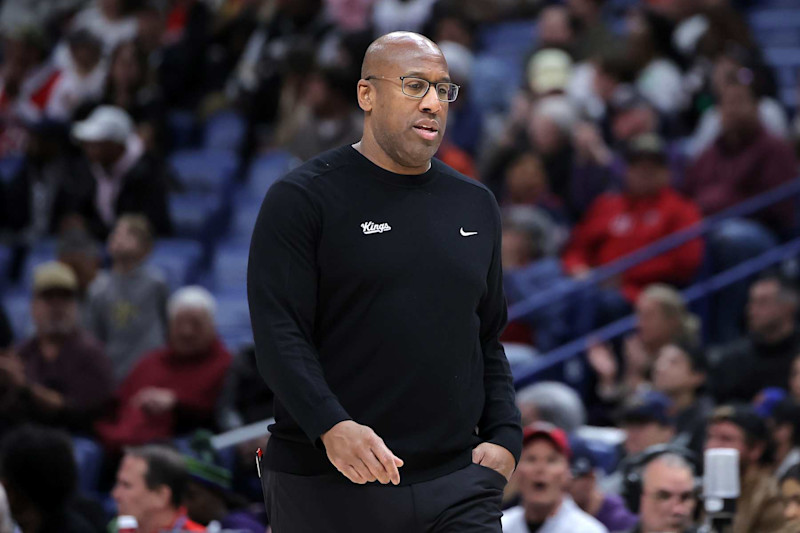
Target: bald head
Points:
(396, 47)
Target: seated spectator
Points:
(758, 508)
(127, 305)
(151, 486)
(552, 402)
(123, 177)
(744, 160)
(764, 357)
(647, 421)
(80, 252)
(245, 399)
(60, 376)
(543, 477)
(209, 498)
(526, 183)
(620, 223)
(680, 372)
(661, 318)
(609, 509)
(39, 475)
(790, 492)
(784, 424)
(668, 497)
(83, 75)
(173, 389)
(332, 119)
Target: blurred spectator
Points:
(80, 252)
(332, 119)
(764, 357)
(659, 79)
(209, 498)
(590, 28)
(744, 160)
(790, 492)
(552, 402)
(527, 183)
(60, 376)
(108, 20)
(661, 318)
(126, 306)
(759, 507)
(647, 420)
(733, 67)
(668, 496)
(608, 509)
(36, 200)
(543, 477)
(82, 78)
(680, 372)
(27, 81)
(784, 423)
(39, 474)
(406, 15)
(794, 379)
(151, 486)
(554, 27)
(173, 389)
(464, 118)
(123, 176)
(620, 223)
(245, 399)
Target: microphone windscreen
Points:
(721, 475)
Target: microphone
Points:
(721, 487)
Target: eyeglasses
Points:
(662, 496)
(418, 88)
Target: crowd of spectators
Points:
(603, 127)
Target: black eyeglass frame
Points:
(428, 88)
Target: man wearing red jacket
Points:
(617, 224)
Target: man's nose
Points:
(430, 103)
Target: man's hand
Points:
(12, 366)
(155, 400)
(361, 455)
(494, 457)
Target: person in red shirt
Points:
(151, 485)
(174, 389)
(617, 224)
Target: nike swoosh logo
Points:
(468, 233)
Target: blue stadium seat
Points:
(182, 129)
(265, 170)
(18, 310)
(194, 215)
(760, 19)
(205, 170)
(41, 252)
(230, 267)
(503, 38)
(501, 76)
(6, 256)
(89, 459)
(244, 219)
(233, 318)
(10, 166)
(178, 259)
(224, 131)
(606, 455)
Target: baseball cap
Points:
(741, 415)
(767, 400)
(549, 70)
(54, 275)
(556, 436)
(106, 123)
(649, 406)
(582, 460)
(646, 145)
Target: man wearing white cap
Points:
(124, 177)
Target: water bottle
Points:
(127, 524)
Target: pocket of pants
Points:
(494, 474)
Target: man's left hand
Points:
(494, 457)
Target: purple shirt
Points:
(614, 515)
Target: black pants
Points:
(466, 501)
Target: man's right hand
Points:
(360, 454)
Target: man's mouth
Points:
(427, 131)
(539, 486)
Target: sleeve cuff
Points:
(328, 415)
(510, 438)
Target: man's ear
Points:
(366, 93)
(164, 495)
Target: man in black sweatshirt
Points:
(376, 299)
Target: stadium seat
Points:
(10, 166)
(18, 310)
(195, 214)
(244, 219)
(40, 252)
(205, 170)
(224, 131)
(503, 38)
(178, 259)
(5, 265)
(761, 19)
(89, 460)
(233, 318)
(182, 129)
(230, 267)
(265, 170)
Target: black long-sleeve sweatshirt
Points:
(378, 297)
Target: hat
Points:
(744, 416)
(106, 123)
(582, 460)
(646, 145)
(767, 400)
(556, 436)
(54, 275)
(549, 70)
(645, 407)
